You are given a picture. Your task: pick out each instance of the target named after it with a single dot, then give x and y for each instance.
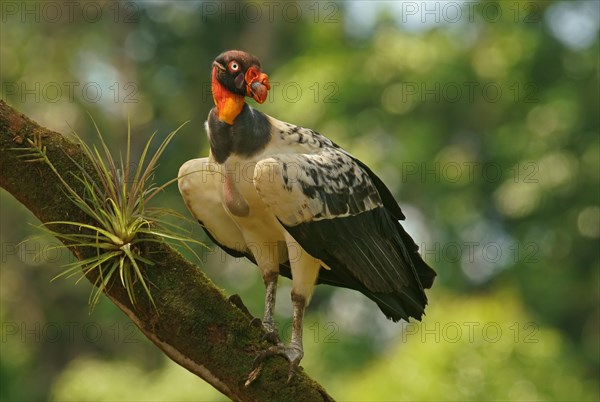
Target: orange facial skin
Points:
(230, 104)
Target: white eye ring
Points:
(234, 66)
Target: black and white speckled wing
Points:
(308, 187)
(341, 213)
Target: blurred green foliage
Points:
(482, 118)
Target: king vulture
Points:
(296, 204)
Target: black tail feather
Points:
(425, 273)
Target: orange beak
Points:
(257, 84)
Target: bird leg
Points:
(293, 353)
(270, 279)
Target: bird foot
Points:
(292, 353)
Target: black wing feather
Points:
(354, 245)
(385, 194)
(425, 273)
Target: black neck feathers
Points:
(248, 135)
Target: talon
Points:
(236, 300)
(253, 376)
(293, 369)
(272, 337)
(255, 322)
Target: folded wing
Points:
(342, 214)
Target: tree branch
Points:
(193, 323)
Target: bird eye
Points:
(234, 66)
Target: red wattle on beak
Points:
(257, 84)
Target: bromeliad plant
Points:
(115, 196)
